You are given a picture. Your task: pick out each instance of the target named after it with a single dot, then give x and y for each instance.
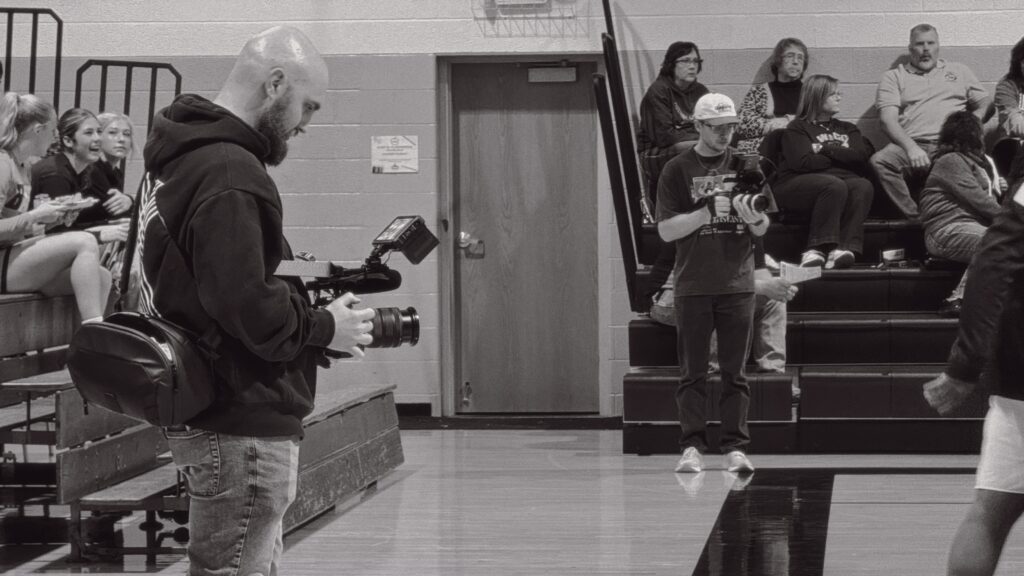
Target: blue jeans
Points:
(892, 165)
(957, 242)
(731, 316)
(768, 348)
(239, 488)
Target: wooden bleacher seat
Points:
(351, 441)
(106, 462)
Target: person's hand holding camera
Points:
(719, 205)
(351, 325)
(745, 211)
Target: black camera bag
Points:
(144, 367)
(140, 365)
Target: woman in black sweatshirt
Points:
(823, 171)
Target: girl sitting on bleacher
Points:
(823, 172)
(960, 198)
(59, 264)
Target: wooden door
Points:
(525, 203)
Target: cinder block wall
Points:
(383, 62)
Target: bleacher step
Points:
(649, 396)
(824, 338)
(786, 241)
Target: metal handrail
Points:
(33, 52)
(129, 66)
(622, 220)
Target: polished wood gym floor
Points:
(532, 502)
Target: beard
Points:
(271, 125)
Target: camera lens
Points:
(759, 203)
(393, 327)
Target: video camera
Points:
(748, 183)
(392, 327)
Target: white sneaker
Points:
(691, 483)
(839, 259)
(691, 461)
(812, 259)
(738, 462)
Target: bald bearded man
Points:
(210, 240)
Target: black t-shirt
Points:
(785, 96)
(718, 258)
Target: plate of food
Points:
(75, 202)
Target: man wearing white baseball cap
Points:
(714, 282)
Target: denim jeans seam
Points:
(215, 453)
(252, 485)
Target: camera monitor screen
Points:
(409, 235)
(393, 232)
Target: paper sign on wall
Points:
(394, 154)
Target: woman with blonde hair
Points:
(58, 264)
(106, 180)
(823, 172)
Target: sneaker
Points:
(839, 259)
(736, 481)
(738, 462)
(951, 308)
(812, 259)
(691, 461)
(691, 483)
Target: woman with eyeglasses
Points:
(667, 129)
(772, 105)
(60, 264)
(666, 111)
(823, 172)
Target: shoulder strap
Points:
(126, 266)
(210, 336)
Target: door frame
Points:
(449, 324)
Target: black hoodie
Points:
(214, 199)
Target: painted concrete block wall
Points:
(382, 56)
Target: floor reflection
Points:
(774, 522)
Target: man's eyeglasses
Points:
(690, 61)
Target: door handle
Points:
(473, 247)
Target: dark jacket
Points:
(957, 191)
(666, 114)
(56, 177)
(104, 176)
(833, 147)
(214, 199)
(990, 343)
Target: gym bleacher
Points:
(860, 342)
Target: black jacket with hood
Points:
(990, 343)
(213, 198)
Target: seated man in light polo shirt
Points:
(913, 100)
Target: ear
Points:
(67, 141)
(276, 83)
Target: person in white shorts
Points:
(991, 336)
